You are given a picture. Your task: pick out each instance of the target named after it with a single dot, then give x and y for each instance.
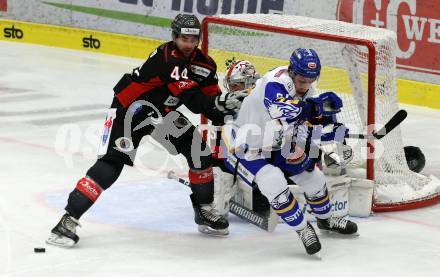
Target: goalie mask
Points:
(240, 76)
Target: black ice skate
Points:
(309, 239)
(64, 233)
(339, 225)
(210, 221)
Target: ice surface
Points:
(52, 105)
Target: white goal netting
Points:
(345, 70)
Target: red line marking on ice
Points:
(52, 149)
(413, 221)
(14, 141)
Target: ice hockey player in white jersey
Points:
(266, 141)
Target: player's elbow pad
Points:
(125, 81)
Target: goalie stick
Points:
(259, 220)
(389, 126)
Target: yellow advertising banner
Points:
(409, 92)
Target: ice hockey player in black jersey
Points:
(145, 103)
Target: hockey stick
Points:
(389, 126)
(261, 221)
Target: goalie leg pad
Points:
(224, 190)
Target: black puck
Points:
(39, 249)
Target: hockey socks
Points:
(321, 209)
(286, 206)
(83, 197)
(320, 205)
(202, 185)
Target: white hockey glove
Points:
(230, 101)
(340, 157)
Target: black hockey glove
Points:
(230, 101)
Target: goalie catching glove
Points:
(230, 101)
(341, 156)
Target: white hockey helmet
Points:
(241, 71)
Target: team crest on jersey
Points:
(202, 71)
(278, 110)
(185, 85)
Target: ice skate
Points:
(338, 225)
(309, 239)
(64, 233)
(210, 221)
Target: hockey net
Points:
(358, 63)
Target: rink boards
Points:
(409, 92)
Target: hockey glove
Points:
(230, 101)
(341, 156)
(325, 104)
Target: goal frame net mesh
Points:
(359, 64)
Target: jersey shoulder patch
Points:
(281, 75)
(279, 72)
(200, 70)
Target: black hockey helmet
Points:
(185, 24)
(414, 158)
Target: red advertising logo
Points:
(3, 5)
(416, 22)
